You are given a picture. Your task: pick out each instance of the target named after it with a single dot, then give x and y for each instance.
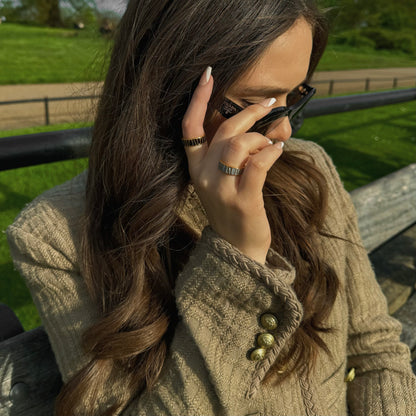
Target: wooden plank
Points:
(407, 315)
(29, 376)
(386, 206)
(395, 267)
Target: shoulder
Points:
(313, 150)
(53, 218)
(322, 161)
(340, 205)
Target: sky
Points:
(117, 6)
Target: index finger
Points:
(241, 122)
(193, 120)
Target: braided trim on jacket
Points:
(306, 391)
(278, 284)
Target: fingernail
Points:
(268, 102)
(270, 141)
(205, 76)
(279, 144)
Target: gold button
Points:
(265, 340)
(268, 321)
(350, 376)
(258, 354)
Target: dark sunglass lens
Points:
(228, 109)
(296, 110)
(296, 95)
(293, 97)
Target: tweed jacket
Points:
(221, 296)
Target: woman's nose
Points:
(280, 130)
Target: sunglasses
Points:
(296, 100)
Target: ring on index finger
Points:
(195, 141)
(229, 170)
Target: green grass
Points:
(31, 55)
(17, 188)
(365, 145)
(340, 57)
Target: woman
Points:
(216, 274)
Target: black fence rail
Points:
(35, 149)
(332, 105)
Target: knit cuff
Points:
(221, 295)
(382, 393)
(217, 267)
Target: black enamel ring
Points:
(194, 142)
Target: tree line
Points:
(379, 24)
(52, 13)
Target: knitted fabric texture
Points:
(221, 295)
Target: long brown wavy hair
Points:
(133, 243)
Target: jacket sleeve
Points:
(220, 296)
(384, 384)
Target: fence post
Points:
(394, 82)
(46, 101)
(367, 84)
(331, 87)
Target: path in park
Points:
(33, 114)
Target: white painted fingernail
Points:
(279, 144)
(282, 144)
(206, 76)
(268, 102)
(270, 141)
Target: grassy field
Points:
(339, 58)
(31, 55)
(364, 145)
(17, 188)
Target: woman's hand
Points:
(234, 204)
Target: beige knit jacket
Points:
(221, 295)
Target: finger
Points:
(244, 120)
(256, 169)
(237, 150)
(193, 120)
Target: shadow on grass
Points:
(396, 259)
(13, 291)
(382, 151)
(379, 121)
(12, 199)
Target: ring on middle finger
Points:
(229, 170)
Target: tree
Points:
(84, 11)
(53, 14)
(380, 24)
(7, 9)
(356, 14)
(44, 12)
